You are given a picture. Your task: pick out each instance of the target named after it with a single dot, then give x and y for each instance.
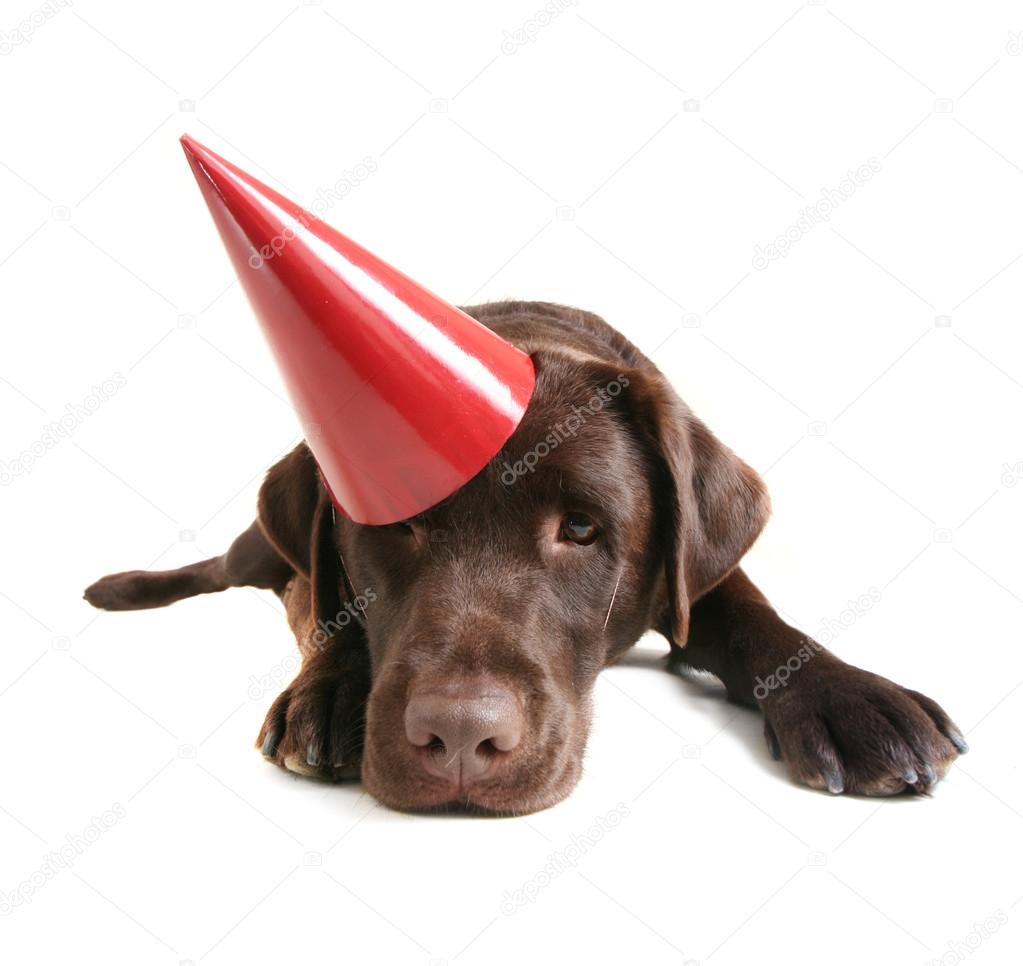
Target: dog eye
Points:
(578, 528)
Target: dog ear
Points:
(296, 514)
(714, 504)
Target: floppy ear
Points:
(296, 515)
(714, 504)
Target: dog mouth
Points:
(482, 800)
(469, 809)
(430, 779)
(464, 802)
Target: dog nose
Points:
(466, 735)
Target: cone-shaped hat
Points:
(402, 397)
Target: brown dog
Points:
(450, 659)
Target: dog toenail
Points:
(834, 781)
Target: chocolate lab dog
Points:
(449, 659)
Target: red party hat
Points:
(402, 397)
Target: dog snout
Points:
(465, 734)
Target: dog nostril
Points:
(435, 746)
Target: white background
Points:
(873, 375)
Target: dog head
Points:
(487, 618)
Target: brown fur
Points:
(479, 591)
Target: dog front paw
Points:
(315, 727)
(846, 730)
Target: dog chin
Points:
(488, 799)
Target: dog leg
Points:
(836, 726)
(316, 725)
(251, 561)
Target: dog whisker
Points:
(613, 596)
(454, 756)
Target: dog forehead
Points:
(576, 435)
(573, 397)
(581, 431)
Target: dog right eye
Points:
(579, 528)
